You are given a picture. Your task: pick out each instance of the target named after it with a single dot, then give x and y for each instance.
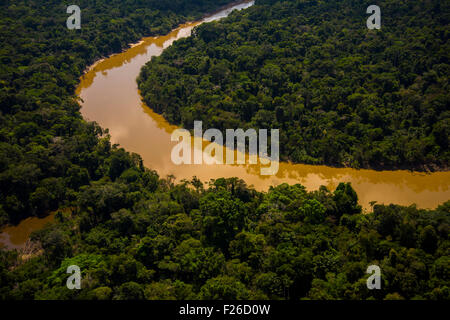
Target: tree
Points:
(428, 239)
(129, 291)
(224, 288)
(223, 217)
(346, 200)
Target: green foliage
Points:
(224, 288)
(223, 217)
(340, 94)
(137, 236)
(47, 151)
(282, 244)
(130, 291)
(101, 293)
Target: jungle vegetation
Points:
(341, 94)
(136, 235)
(47, 151)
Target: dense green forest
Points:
(137, 236)
(47, 151)
(340, 94)
(140, 237)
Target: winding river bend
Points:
(111, 98)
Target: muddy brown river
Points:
(111, 98)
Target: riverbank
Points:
(140, 42)
(15, 236)
(326, 96)
(112, 99)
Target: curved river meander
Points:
(111, 98)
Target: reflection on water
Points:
(111, 98)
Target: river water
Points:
(15, 237)
(111, 98)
